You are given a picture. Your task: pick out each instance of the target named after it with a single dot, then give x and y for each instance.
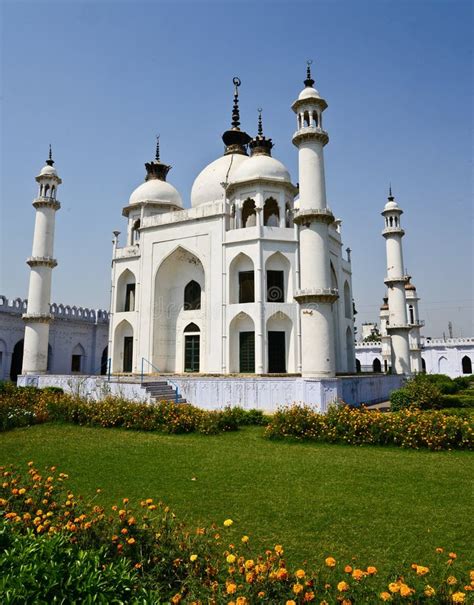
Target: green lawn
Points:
(381, 505)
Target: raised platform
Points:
(212, 393)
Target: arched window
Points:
(192, 296)
(41, 190)
(396, 221)
(423, 364)
(466, 365)
(77, 359)
(53, 192)
(125, 292)
(315, 119)
(288, 217)
(271, 213)
(46, 190)
(249, 214)
(136, 231)
(104, 361)
(306, 118)
(347, 301)
(358, 368)
(411, 314)
(391, 221)
(376, 365)
(192, 327)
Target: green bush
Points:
(457, 401)
(53, 390)
(44, 569)
(445, 384)
(399, 399)
(423, 392)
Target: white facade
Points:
(451, 356)
(77, 340)
(213, 289)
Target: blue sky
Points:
(99, 79)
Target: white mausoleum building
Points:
(250, 279)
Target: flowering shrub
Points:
(69, 549)
(26, 406)
(356, 426)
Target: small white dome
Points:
(391, 205)
(207, 186)
(48, 171)
(308, 92)
(261, 166)
(156, 190)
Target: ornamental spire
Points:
(234, 139)
(260, 126)
(50, 160)
(156, 169)
(390, 196)
(309, 80)
(157, 150)
(260, 145)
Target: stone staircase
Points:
(160, 390)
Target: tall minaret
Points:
(397, 325)
(42, 263)
(315, 294)
(415, 324)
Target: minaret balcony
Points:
(394, 327)
(42, 261)
(46, 202)
(308, 215)
(390, 281)
(418, 323)
(321, 295)
(127, 252)
(310, 133)
(393, 231)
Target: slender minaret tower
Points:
(397, 325)
(315, 295)
(385, 337)
(415, 324)
(42, 263)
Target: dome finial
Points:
(50, 160)
(157, 150)
(309, 80)
(260, 126)
(235, 108)
(234, 139)
(260, 145)
(390, 196)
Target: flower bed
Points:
(357, 426)
(144, 554)
(27, 406)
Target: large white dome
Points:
(155, 190)
(207, 186)
(261, 166)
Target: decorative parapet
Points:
(419, 323)
(322, 295)
(449, 342)
(307, 216)
(394, 327)
(310, 133)
(393, 231)
(127, 252)
(41, 261)
(19, 306)
(46, 202)
(376, 344)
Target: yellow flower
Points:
(358, 574)
(282, 574)
(471, 574)
(230, 559)
(429, 591)
(279, 549)
(192, 558)
(421, 571)
(228, 522)
(458, 597)
(453, 555)
(451, 580)
(300, 574)
(21, 491)
(290, 602)
(342, 586)
(308, 596)
(330, 562)
(249, 564)
(297, 588)
(131, 541)
(241, 601)
(394, 587)
(385, 596)
(439, 550)
(249, 577)
(261, 594)
(176, 598)
(245, 539)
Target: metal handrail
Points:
(167, 379)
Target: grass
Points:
(380, 505)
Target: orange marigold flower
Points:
(330, 561)
(394, 587)
(132, 521)
(125, 500)
(290, 602)
(346, 602)
(241, 601)
(439, 550)
(371, 570)
(231, 588)
(249, 577)
(429, 591)
(300, 574)
(279, 549)
(282, 574)
(358, 574)
(249, 564)
(131, 541)
(348, 569)
(245, 539)
(453, 555)
(124, 530)
(308, 596)
(405, 590)
(138, 566)
(385, 596)
(342, 586)
(152, 507)
(297, 588)
(452, 581)
(176, 598)
(458, 597)
(261, 594)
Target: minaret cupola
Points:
(48, 179)
(236, 140)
